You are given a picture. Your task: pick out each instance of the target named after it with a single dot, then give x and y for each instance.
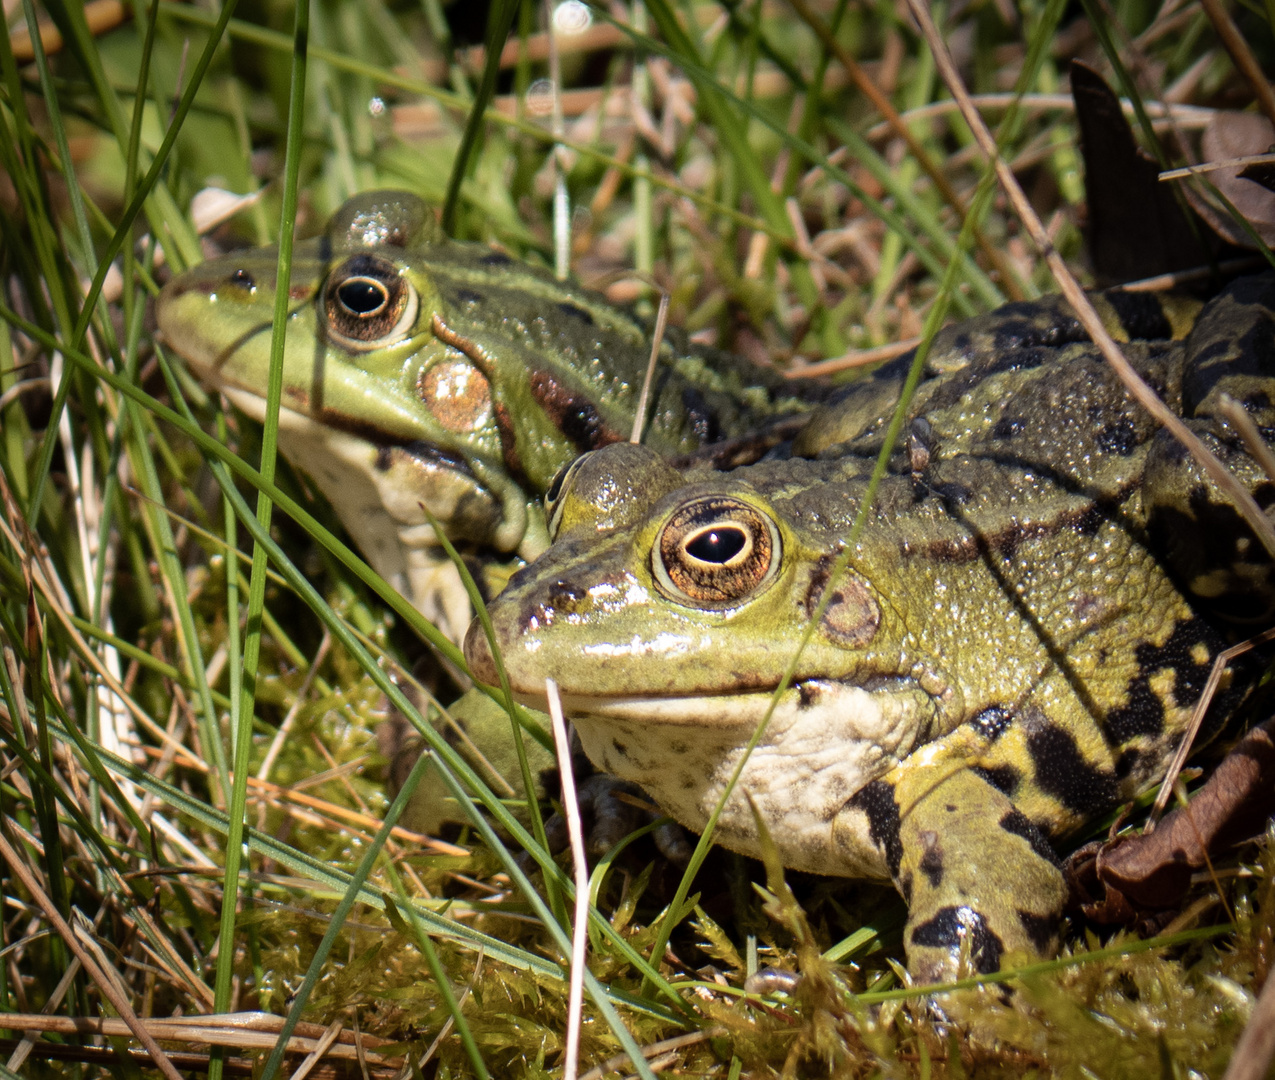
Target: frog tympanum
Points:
(1022, 629)
(419, 371)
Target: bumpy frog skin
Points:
(423, 371)
(1020, 637)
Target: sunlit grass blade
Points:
(500, 18)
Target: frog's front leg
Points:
(971, 866)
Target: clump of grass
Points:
(156, 637)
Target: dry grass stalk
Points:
(106, 986)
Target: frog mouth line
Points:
(744, 710)
(253, 405)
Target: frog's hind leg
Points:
(974, 870)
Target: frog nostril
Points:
(243, 280)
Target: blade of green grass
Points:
(500, 17)
(242, 712)
(357, 880)
(337, 881)
(563, 942)
(120, 237)
(437, 972)
(932, 261)
(221, 455)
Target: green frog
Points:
(1015, 645)
(423, 372)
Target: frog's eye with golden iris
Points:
(368, 304)
(716, 550)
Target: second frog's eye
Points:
(368, 304)
(716, 550)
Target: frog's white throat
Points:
(824, 742)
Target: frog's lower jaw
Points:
(405, 554)
(378, 493)
(824, 742)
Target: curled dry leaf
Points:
(1236, 135)
(1115, 881)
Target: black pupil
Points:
(362, 296)
(717, 545)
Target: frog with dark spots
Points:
(1014, 645)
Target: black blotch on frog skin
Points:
(1013, 334)
(620, 748)
(1008, 427)
(704, 422)
(876, 800)
(931, 863)
(426, 454)
(1207, 534)
(1119, 437)
(1143, 711)
(905, 888)
(1042, 929)
(1141, 314)
(1018, 823)
(1090, 521)
(1014, 358)
(1004, 778)
(562, 594)
(962, 345)
(572, 414)
(469, 296)
(495, 258)
(577, 313)
(953, 494)
(993, 722)
(1227, 355)
(1126, 761)
(950, 924)
(1063, 772)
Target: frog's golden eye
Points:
(368, 304)
(716, 550)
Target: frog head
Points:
(370, 391)
(709, 571)
(668, 609)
